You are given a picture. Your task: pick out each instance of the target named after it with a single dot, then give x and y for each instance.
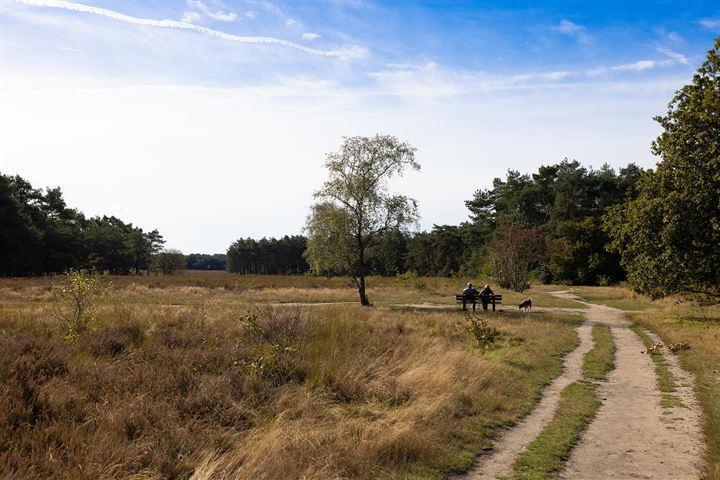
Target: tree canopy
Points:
(668, 237)
(39, 234)
(355, 210)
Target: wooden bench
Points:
(494, 299)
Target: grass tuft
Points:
(600, 360)
(547, 453)
(665, 380)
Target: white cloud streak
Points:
(349, 53)
(574, 30)
(310, 36)
(191, 17)
(711, 23)
(675, 56)
(219, 15)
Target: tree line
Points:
(562, 205)
(40, 234)
(268, 256)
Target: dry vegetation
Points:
(183, 377)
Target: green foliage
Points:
(355, 211)
(412, 278)
(668, 237)
(566, 202)
(272, 338)
(203, 261)
(438, 252)
(601, 359)
(268, 256)
(169, 261)
(77, 299)
(483, 333)
(39, 234)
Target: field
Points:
(212, 375)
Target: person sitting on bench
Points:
(469, 296)
(486, 297)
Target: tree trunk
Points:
(361, 264)
(361, 290)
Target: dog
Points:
(526, 304)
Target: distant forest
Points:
(39, 234)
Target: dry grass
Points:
(178, 381)
(194, 287)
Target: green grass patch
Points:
(546, 455)
(600, 360)
(665, 381)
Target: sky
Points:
(210, 119)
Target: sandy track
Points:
(499, 462)
(632, 436)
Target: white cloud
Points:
(711, 23)
(638, 66)
(347, 53)
(310, 36)
(191, 17)
(251, 14)
(675, 37)
(675, 56)
(579, 32)
(292, 23)
(217, 15)
(272, 8)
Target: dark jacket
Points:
(486, 292)
(470, 293)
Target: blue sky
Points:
(210, 119)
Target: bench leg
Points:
(493, 305)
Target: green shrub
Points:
(77, 299)
(483, 333)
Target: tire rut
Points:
(499, 462)
(632, 436)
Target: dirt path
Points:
(632, 435)
(499, 463)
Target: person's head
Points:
(487, 285)
(469, 285)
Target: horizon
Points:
(185, 116)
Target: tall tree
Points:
(668, 237)
(515, 250)
(355, 208)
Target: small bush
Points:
(78, 297)
(411, 278)
(483, 333)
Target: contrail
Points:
(79, 7)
